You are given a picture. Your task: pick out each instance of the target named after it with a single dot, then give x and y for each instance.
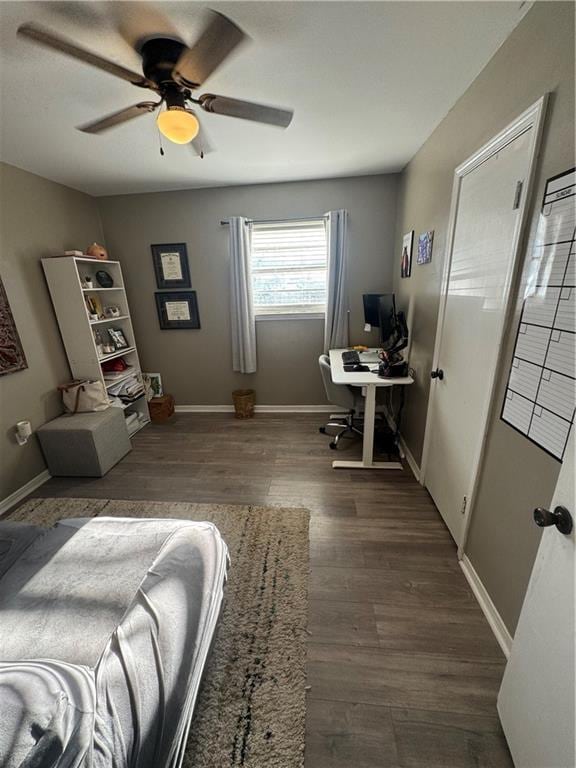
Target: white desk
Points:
(370, 381)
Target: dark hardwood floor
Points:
(403, 668)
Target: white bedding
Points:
(105, 626)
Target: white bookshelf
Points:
(65, 276)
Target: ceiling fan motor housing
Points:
(159, 57)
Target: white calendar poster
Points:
(541, 391)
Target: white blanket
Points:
(105, 626)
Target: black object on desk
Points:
(350, 357)
(392, 370)
(356, 368)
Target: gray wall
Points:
(196, 365)
(37, 218)
(517, 476)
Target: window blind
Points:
(289, 261)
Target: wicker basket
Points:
(161, 408)
(244, 400)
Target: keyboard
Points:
(351, 357)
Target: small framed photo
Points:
(177, 310)
(425, 242)
(153, 383)
(117, 337)
(171, 265)
(406, 258)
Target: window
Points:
(289, 261)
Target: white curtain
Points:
(241, 304)
(336, 325)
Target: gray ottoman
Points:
(84, 444)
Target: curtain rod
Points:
(277, 221)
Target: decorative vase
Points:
(104, 279)
(98, 252)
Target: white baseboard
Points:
(203, 408)
(257, 409)
(20, 493)
(411, 460)
(488, 608)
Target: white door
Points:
(487, 215)
(536, 700)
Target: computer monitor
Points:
(387, 320)
(371, 308)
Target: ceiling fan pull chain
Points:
(160, 141)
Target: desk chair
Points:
(343, 396)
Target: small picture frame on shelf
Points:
(171, 265)
(177, 310)
(117, 337)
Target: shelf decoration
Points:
(171, 265)
(105, 279)
(97, 252)
(406, 258)
(177, 310)
(94, 307)
(12, 357)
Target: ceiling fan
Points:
(173, 71)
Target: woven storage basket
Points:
(244, 400)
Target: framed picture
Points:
(153, 382)
(425, 247)
(118, 338)
(171, 265)
(406, 259)
(177, 310)
(12, 356)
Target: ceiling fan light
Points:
(178, 124)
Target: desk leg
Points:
(368, 444)
(369, 416)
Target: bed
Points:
(105, 628)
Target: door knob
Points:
(561, 518)
(437, 374)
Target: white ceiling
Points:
(369, 82)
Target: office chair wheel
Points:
(322, 430)
(333, 445)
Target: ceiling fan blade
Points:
(62, 45)
(216, 43)
(139, 21)
(122, 116)
(246, 110)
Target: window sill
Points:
(290, 316)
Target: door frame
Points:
(532, 118)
